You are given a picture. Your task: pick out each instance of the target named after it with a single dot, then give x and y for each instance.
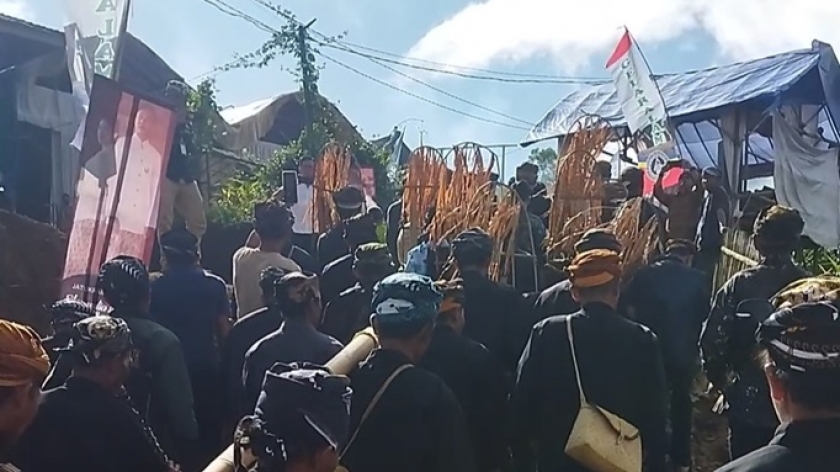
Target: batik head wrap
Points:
(595, 268)
(405, 298)
(23, 359)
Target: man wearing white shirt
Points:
(305, 233)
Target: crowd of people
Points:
(469, 374)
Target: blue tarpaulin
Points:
(807, 76)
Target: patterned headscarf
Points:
(680, 246)
(23, 359)
(595, 268)
(270, 279)
(124, 281)
(299, 406)
(99, 336)
(808, 290)
(804, 338)
(405, 298)
(68, 311)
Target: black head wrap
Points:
(778, 227)
(99, 337)
(349, 198)
(472, 244)
(123, 281)
(299, 409)
(598, 239)
(804, 338)
(179, 243)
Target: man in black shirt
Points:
(350, 312)
(243, 335)
(394, 221)
(494, 313)
(728, 351)
(338, 275)
(469, 371)
(416, 424)
(619, 364)
(349, 202)
(713, 218)
(672, 299)
(179, 190)
(297, 339)
(84, 425)
(800, 348)
(557, 299)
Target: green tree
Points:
(546, 160)
(292, 39)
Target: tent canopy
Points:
(810, 76)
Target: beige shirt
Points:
(248, 264)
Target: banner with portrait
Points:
(124, 154)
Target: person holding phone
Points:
(305, 234)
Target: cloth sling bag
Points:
(369, 410)
(600, 440)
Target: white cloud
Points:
(18, 9)
(571, 33)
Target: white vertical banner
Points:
(92, 36)
(638, 94)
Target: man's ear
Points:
(777, 387)
(575, 295)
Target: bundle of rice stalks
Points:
(457, 189)
(638, 244)
(331, 174)
(31, 266)
(578, 191)
(499, 217)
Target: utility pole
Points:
(308, 82)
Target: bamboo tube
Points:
(342, 364)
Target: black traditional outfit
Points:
(672, 299)
(331, 244)
(728, 351)
(338, 275)
(620, 370)
(85, 426)
(417, 424)
(803, 344)
(350, 312)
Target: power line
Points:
(444, 68)
(418, 97)
(436, 70)
(449, 94)
(230, 10)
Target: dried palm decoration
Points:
(578, 191)
(638, 242)
(332, 169)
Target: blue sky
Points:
(522, 36)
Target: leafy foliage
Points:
(236, 199)
(820, 261)
(546, 160)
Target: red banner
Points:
(124, 154)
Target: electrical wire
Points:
(451, 95)
(419, 97)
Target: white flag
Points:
(92, 38)
(638, 94)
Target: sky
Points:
(537, 37)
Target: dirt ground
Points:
(709, 437)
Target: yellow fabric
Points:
(22, 357)
(595, 268)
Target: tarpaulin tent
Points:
(720, 113)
